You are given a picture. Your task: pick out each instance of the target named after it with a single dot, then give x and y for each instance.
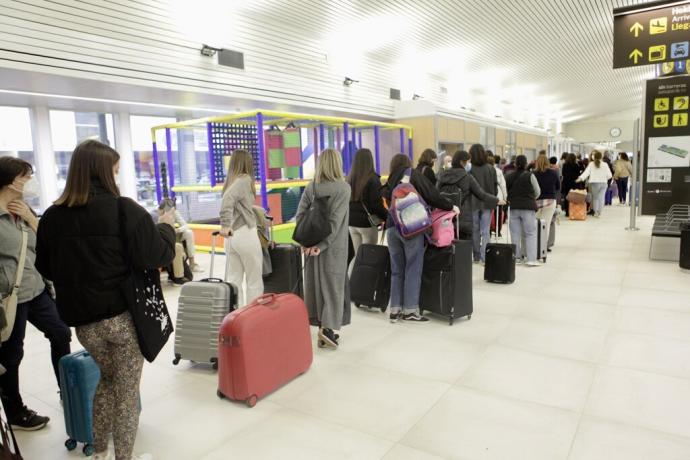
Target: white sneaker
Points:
(143, 457)
(196, 268)
(532, 264)
(103, 456)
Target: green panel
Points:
(292, 138)
(283, 236)
(291, 172)
(276, 158)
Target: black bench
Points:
(667, 225)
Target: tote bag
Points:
(313, 226)
(149, 312)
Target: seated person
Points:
(185, 235)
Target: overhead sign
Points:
(651, 33)
(666, 175)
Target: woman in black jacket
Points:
(457, 183)
(89, 244)
(571, 171)
(407, 254)
(426, 164)
(366, 203)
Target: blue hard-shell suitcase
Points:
(79, 376)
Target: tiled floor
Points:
(587, 357)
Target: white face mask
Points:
(31, 189)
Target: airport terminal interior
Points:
(556, 326)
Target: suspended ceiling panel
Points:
(536, 61)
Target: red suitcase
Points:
(263, 346)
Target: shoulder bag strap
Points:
(22, 262)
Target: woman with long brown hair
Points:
(89, 244)
(366, 204)
(244, 257)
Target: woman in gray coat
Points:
(326, 285)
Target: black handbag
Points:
(149, 312)
(374, 220)
(313, 226)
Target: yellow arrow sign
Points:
(635, 55)
(636, 29)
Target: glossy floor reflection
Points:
(587, 357)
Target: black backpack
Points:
(453, 193)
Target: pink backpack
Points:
(442, 228)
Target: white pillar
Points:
(123, 144)
(44, 154)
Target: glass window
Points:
(69, 128)
(142, 148)
(16, 141)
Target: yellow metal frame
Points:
(277, 227)
(273, 117)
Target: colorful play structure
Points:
(281, 143)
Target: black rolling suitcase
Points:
(370, 282)
(286, 263)
(542, 240)
(447, 281)
(500, 261)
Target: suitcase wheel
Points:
(383, 309)
(358, 305)
(71, 444)
(251, 401)
(451, 320)
(469, 317)
(214, 361)
(220, 395)
(177, 359)
(321, 344)
(88, 450)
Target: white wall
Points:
(599, 131)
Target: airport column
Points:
(44, 155)
(123, 144)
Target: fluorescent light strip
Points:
(113, 101)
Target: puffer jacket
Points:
(468, 185)
(90, 253)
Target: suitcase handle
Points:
(212, 280)
(267, 300)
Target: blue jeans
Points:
(42, 313)
(407, 260)
(523, 227)
(481, 223)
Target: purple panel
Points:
(262, 158)
(377, 149)
(157, 173)
(171, 169)
(209, 136)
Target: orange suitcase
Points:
(262, 347)
(577, 211)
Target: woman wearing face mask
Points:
(34, 303)
(90, 242)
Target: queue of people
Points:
(89, 243)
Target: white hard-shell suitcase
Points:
(202, 307)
